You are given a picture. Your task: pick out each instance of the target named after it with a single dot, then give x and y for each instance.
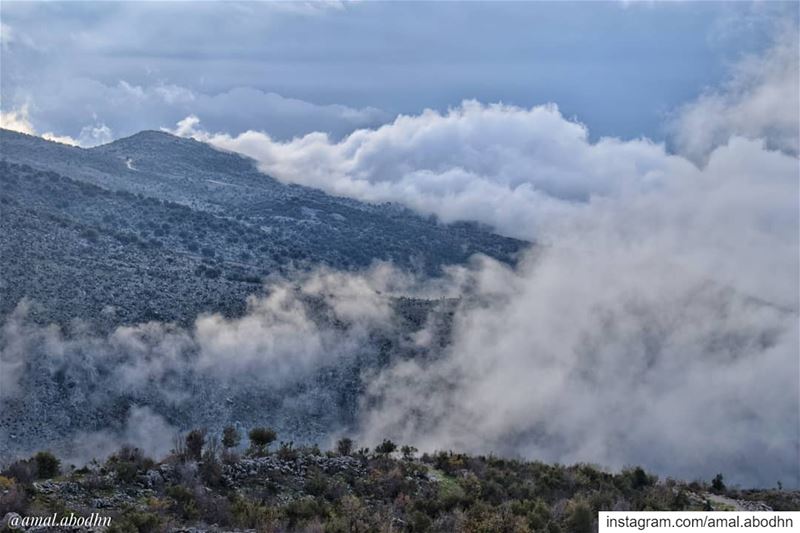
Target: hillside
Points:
(159, 230)
(155, 227)
(207, 486)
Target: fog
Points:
(654, 321)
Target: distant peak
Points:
(148, 137)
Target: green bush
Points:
(185, 504)
(580, 518)
(386, 447)
(47, 465)
(261, 438)
(303, 510)
(344, 446)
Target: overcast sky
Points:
(97, 71)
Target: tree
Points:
(640, 478)
(386, 447)
(231, 437)
(47, 465)
(580, 518)
(261, 438)
(408, 452)
(718, 484)
(344, 446)
(195, 441)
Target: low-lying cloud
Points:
(656, 320)
(293, 357)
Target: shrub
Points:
(302, 510)
(718, 484)
(211, 469)
(261, 438)
(386, 447)
(12, 497)
(287, 452)
(47, 465)
(195, 440)
(408, 452)
(580, 518)
(125, 471)
(344, 446)
(680, 502)
(638, 478)
(251, 515)
(127, 462)
(231, 437)
(316, 485)
(420, 521)
(23, 471)
(185, 504)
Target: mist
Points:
(653, 321)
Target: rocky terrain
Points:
(203, 486)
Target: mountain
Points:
(158, 230)
(155, 226)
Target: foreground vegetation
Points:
(209, 483)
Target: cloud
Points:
(675, 375)
(759, 102)
(655, 322)
(489, 163)
(125, 108)
(142, 429)
(17, 120)
(343, 56)
(295, 354)
(6, 35)
(90, 135)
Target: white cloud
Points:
(143, 429)
(656, 323)
(17, 120)
(759, 101)
(614, 357)
(94, 135)
(6, 35)
(506, 166)
(127, 108)
(90, 135)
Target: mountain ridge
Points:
(91, 248)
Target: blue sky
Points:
(102, 70)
